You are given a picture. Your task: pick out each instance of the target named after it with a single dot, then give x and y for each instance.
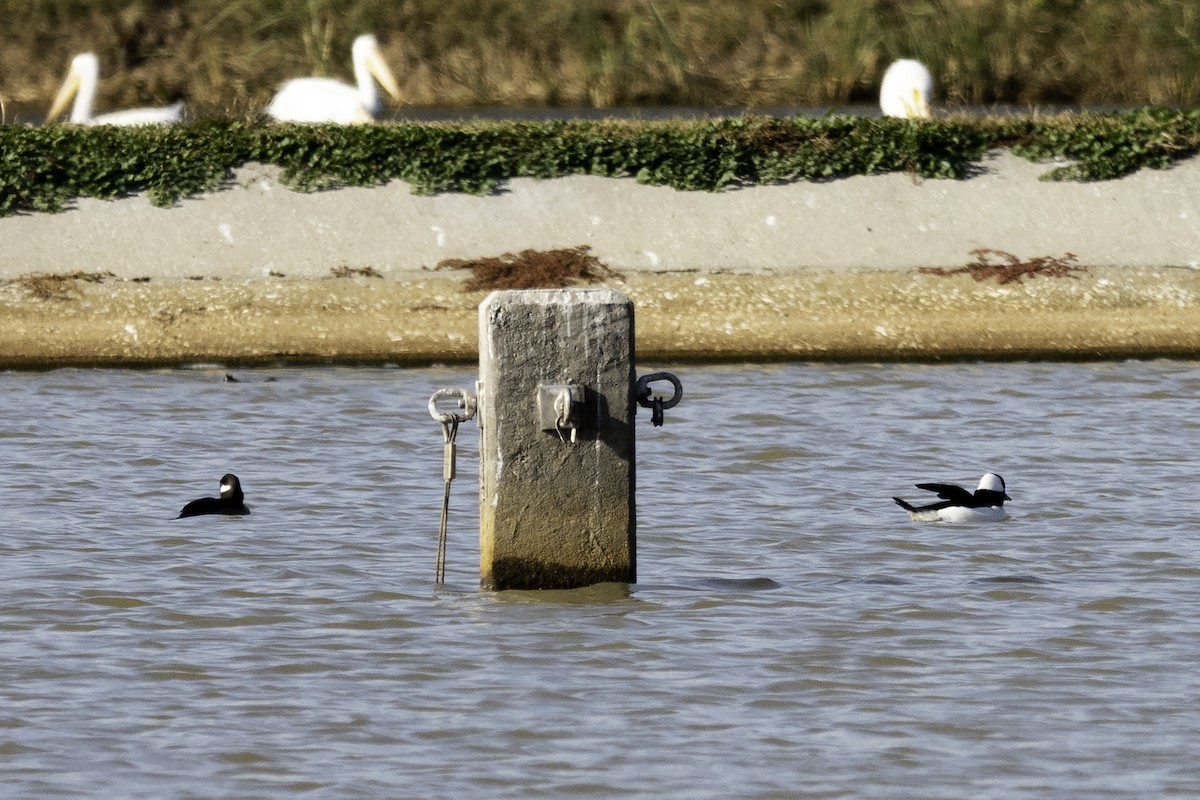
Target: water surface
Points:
(792, 633)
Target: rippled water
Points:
(792, 633)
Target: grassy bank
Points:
(224, 57)
(44, 168)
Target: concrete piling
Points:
(556, 413)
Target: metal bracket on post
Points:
(449, 421)
(657, 405)
(558, 406)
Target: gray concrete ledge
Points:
(259, 227)
(806, 270)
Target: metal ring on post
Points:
(466, 401)
(642, 390)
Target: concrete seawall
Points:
(805, 270)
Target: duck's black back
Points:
(211, 505)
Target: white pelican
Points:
(81, 83)
(906, 89)
(328, 100)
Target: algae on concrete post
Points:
(556, 499)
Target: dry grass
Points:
(59, 286)
(344, 271)
(1008, 268)
(227, 56)
(532, 269)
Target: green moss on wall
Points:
(44, 169)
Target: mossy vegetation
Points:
(44, 169)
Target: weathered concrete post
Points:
(556, 410)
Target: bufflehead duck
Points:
(230, 502)
(960, 505)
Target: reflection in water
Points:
(793, 633)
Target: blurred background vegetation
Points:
(225, 57)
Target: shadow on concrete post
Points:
(556, 413)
